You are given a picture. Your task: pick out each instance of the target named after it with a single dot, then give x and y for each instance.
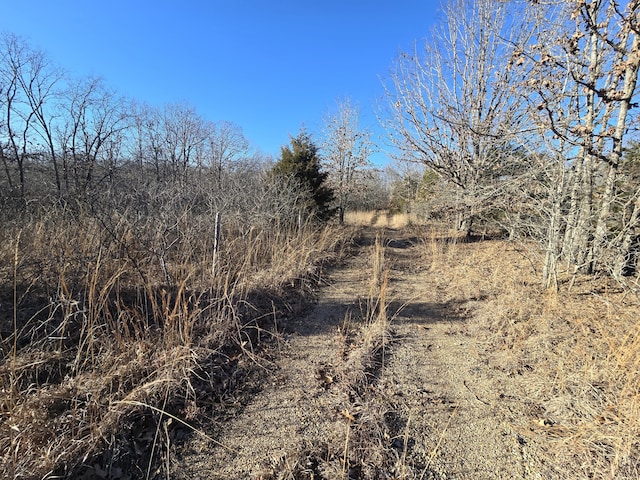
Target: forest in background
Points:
(521, 114)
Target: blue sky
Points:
(270, 67)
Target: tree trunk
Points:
(6, 167)
(628, 87)
(554, 234)
(465, 223)
(20, 159)
(627, 259)
(578, 231)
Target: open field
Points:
(385, 349)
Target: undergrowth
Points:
(115, 325)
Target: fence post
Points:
(216, 241)
(300, 225)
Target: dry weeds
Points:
(380, 219)
(117, 340)
(113, 328)
(366, 446)
(575, 352)
(359, 218)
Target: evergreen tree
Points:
(302, 162)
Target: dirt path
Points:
(430, 408)
(458, 425)
(296, 410)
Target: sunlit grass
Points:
(577, 351)
(381, 219)
(359, 218)
(111, 316)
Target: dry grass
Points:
(575, 353)
(366, 442)
(374, 328)
(402, 220)
(359, 218)
(380, 219)
(107, 321)
(113, 327)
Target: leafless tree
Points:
(146, 140)
(347, 151)
(176, 139)
(94, 118)
(28, 83)
(453, 107)
(585, 70)
(227, 143)
(183, 133)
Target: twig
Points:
(346, 450)
(159, 410)
(474, 394)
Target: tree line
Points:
(522, 112)
(65, 138)
(80, 132)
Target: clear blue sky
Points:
(269, 66)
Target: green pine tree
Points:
(302, 161)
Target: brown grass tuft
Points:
(380, 219)
(365, 453)
(359, 218)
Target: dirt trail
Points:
(440, 409)
(458, 425)
(295, 412)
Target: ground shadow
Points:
(327, 316)
(424, 313)
(403, 243)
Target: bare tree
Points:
(585, 69)
(17, 118)
(5, 98)
(227, 143)
(94, 117)
(453, 107)
(347, 151)
(147, 139)
(183, 134)
(28, 81)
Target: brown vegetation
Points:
(575, 353)
(113, 355)
(116, 328)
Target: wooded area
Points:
(525, 111)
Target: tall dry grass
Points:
(360, 218)
(575, 353)
(381, 219)
(365, 453)
(107, 319)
